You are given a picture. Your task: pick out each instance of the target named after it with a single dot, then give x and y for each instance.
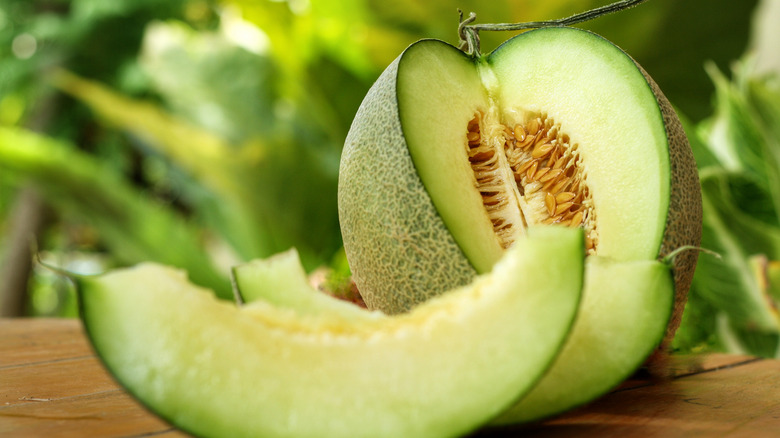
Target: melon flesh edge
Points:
(281, 281)
(441, 370)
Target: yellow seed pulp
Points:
(550, 179)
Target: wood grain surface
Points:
(52, 385)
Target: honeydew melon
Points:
(451, 157)
(449, 365)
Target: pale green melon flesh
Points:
(622, 319)
(439, 90)
(281, 281)
(603, 101)
(592, 89)
(442, 369)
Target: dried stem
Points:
(669, 258)
(469, 33)
(30, 215)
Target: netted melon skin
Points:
(684, 219)
(398, 248)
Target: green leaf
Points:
(697, 331)
(206, 157)
(746, 207)
(131, 224)
(740, 138)
(203, 154)
(735, 138)
(264, 195)
(730, 283)
(763, 96)
(738, 340)
(741, 201)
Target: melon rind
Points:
(400, 251)
(684, 222)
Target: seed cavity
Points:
(538, 157)
(489, 163)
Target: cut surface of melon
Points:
(592, 94)
(442, 369)
(622, 318)
(451, 158)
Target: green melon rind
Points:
(622, 319)
(273, 373)
(684, 221)
(393, 236)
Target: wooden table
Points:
(52, 385)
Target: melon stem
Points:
(469, 33)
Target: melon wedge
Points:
(622, 319)
(443, 369)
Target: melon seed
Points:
(549, 176)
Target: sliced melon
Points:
(442, 369)
(451, 158)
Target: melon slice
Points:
(622, 319)
(442, 369)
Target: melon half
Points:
(451, 158)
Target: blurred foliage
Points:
(130, 224)
(202, 132)
(734, 304)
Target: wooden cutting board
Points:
(52, 385)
